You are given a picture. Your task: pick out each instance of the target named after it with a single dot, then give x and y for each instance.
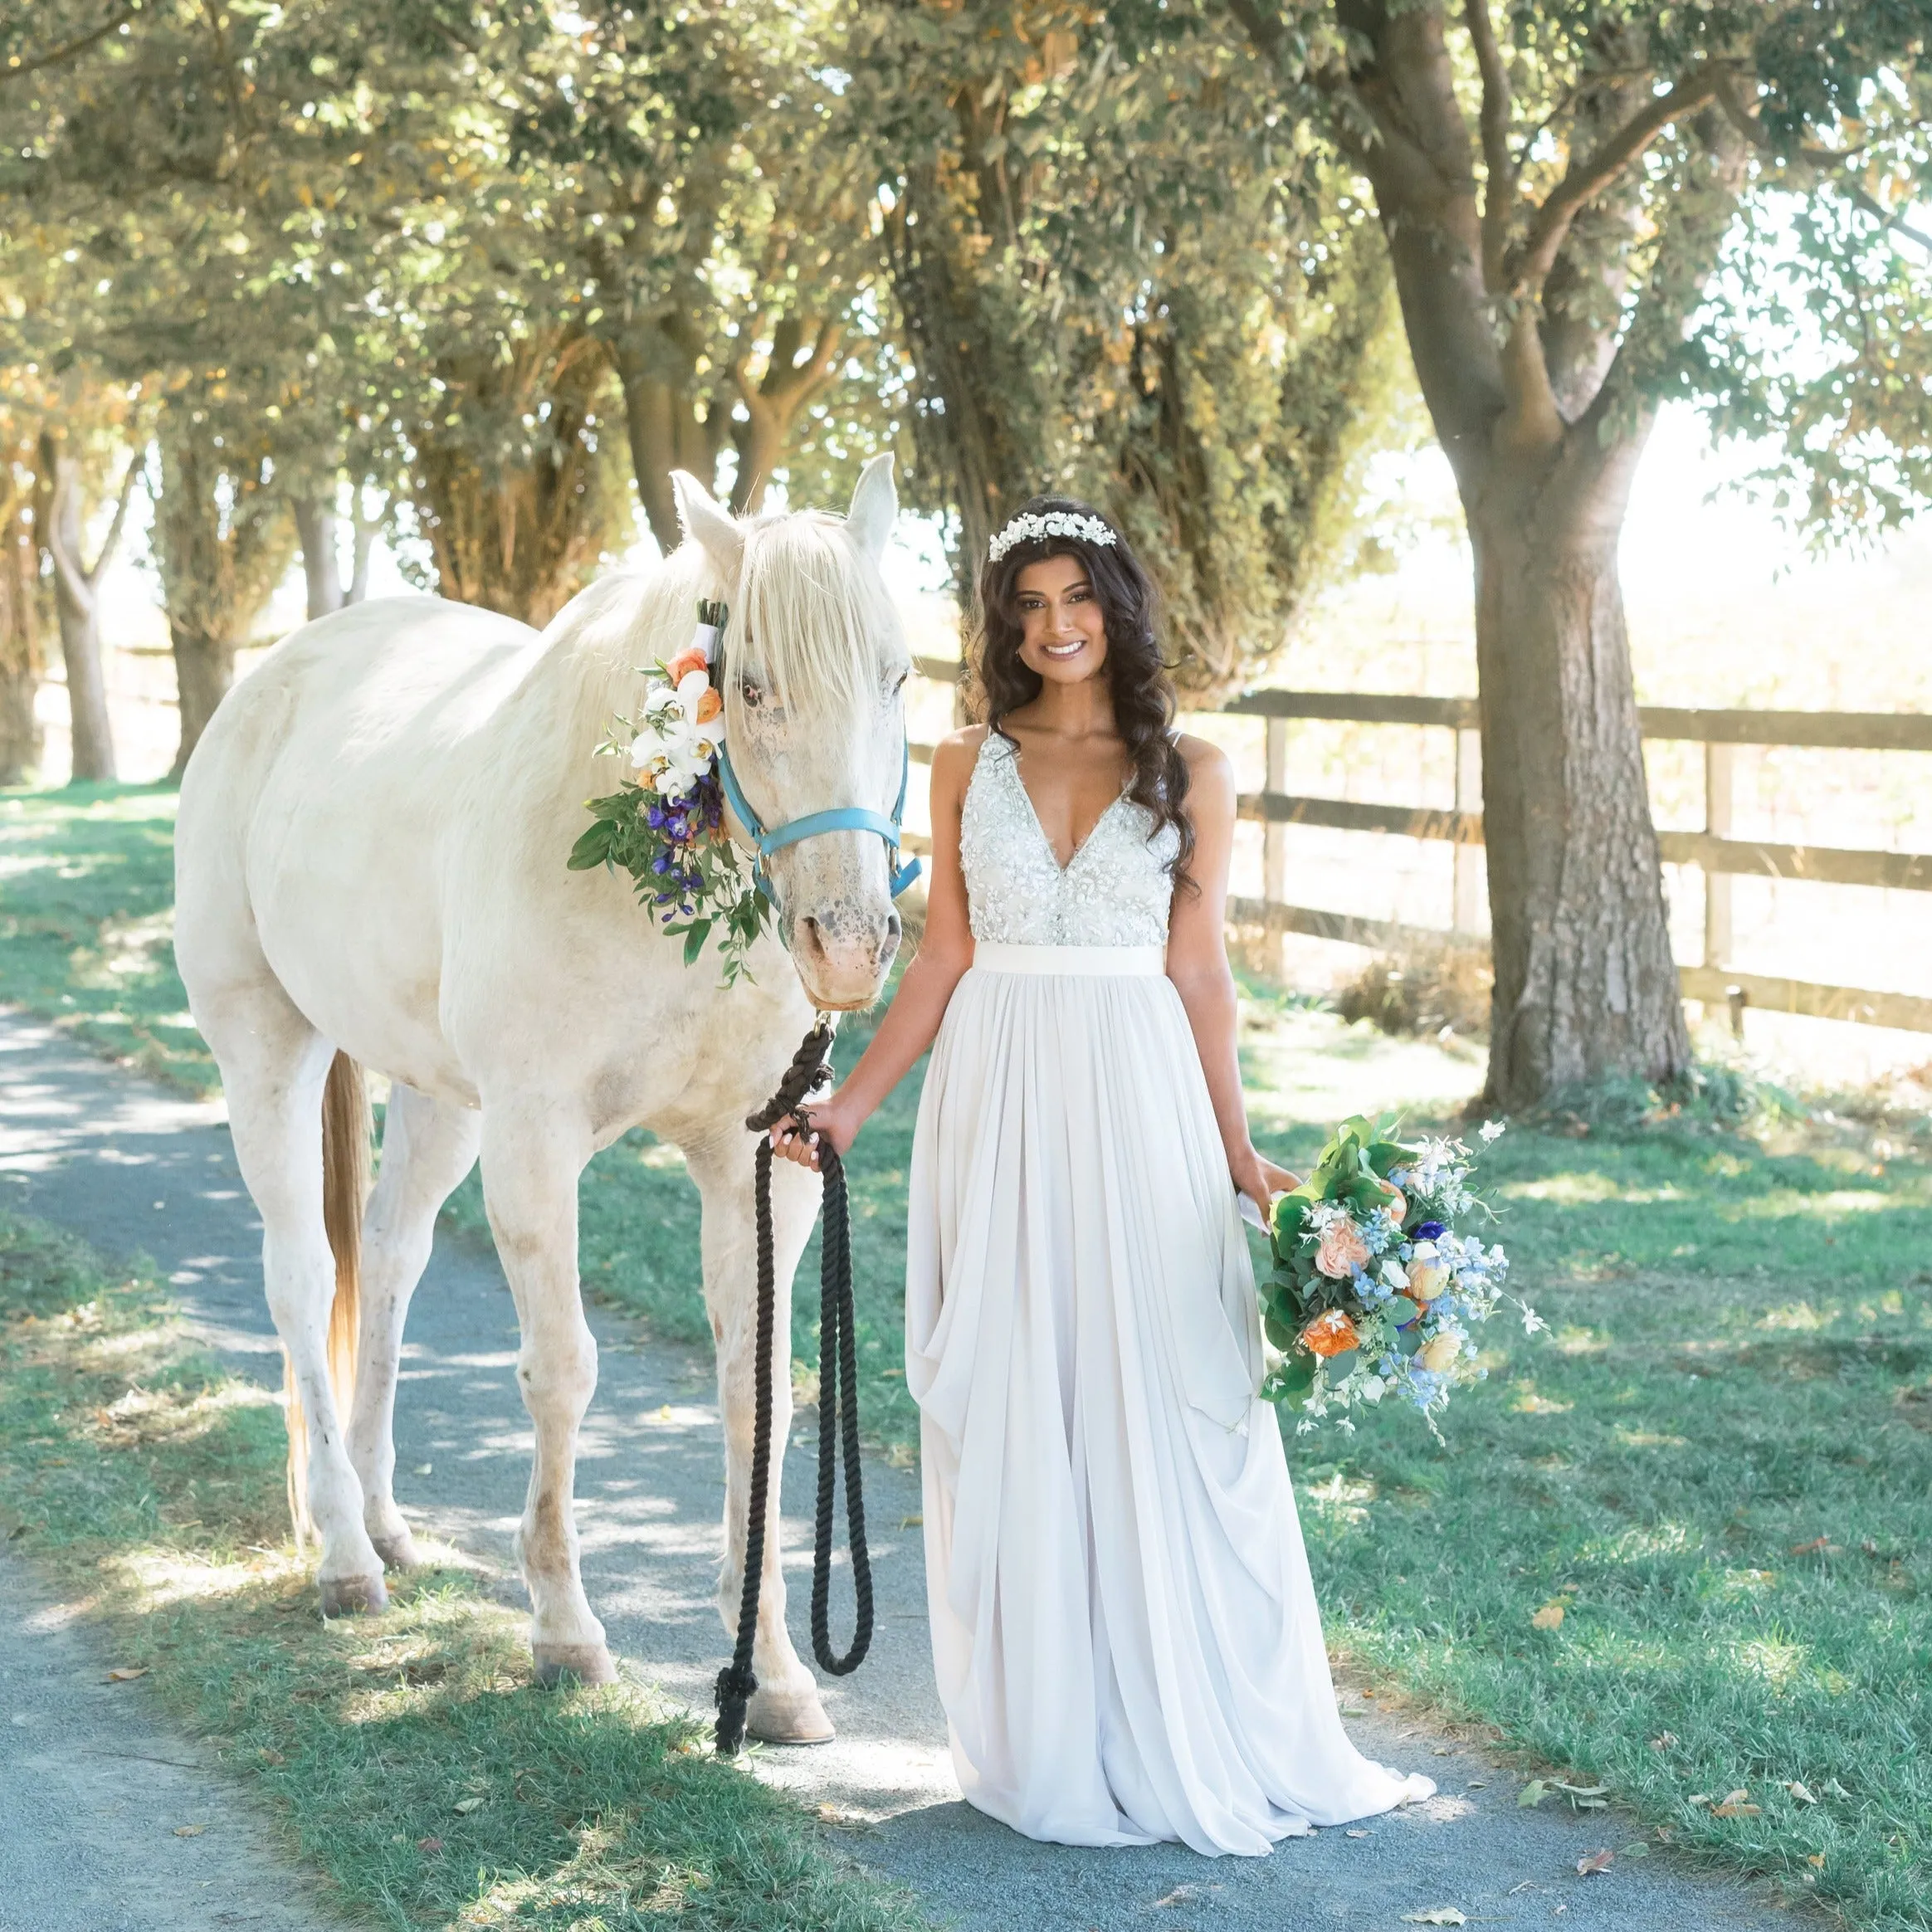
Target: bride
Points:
(1123, 1628)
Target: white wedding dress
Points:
(1123, 1628)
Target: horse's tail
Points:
(345, 1188)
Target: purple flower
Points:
(1430, 1231)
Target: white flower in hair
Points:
(1032, 528)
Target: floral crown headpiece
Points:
(1032, 528)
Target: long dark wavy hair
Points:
(1137, 678)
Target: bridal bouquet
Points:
(664, 826)
(1376, 1291)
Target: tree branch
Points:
(137, 469)
(17, 69)
(1500, 191)
(1585, 180)
(1819, 161)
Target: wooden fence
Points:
(1719, 856)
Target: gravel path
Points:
(137, 1170)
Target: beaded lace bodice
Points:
(1115, 891)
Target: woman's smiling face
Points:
(1063, 635)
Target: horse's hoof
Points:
(789, 1717)
(352, 1596)
(583, 1663)
(397, 1552)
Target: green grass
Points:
(1719, 1465)
(1741, 1365)
(86, 899)
(408, 1754)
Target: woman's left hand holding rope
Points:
(797, 1135)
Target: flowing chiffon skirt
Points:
(1125, 1631)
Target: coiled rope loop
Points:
(838, 1403)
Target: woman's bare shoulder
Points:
(957, 750)
(1208, 764)
(954, 756)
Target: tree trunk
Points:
(662, 428)
(77, 607)
(517, 526)
(1586, 989)
(315, 522)
(20, 653)
(222, 543)
(204, 668)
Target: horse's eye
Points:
(899, 682)
(751, 694)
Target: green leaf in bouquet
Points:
(593, 847)
(695, 935)
(1291, 1215)
(1293, 1377)
(1409, 1340)
(1280, 1333)
(1384, 1154)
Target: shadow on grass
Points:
(408, 1754)
(86, 934)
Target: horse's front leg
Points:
(533, 1149)
(785, 1708)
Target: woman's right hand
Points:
(830, 1120)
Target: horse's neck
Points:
(591, 668)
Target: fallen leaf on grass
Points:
(189, 1830)
(1595, 1862)
(1533, 1793)
(1178, 1896)
(1436, 1915)
(268, 1755)
(1833, 1789)
(1735, 1805)
(1639, 1850)
(1798, 1790)
(1548, 1617)
(1819, 1546)
(1663, 1740)
(464, 1806)
(426, 1844)
(1357, 1832)
(1816, 1859)
(126, 1673)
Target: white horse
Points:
(370, 872)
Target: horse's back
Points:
(307, 829)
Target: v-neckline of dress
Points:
(1039, 824)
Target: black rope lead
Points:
(838, 1410)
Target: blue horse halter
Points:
(840, 818)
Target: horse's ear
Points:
(874, 506)
(717, 529)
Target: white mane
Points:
(813, 611)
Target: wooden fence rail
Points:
(1719, 856)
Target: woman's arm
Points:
(1197, 962)
(926, 987)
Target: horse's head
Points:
(815, 660)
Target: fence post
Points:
(1469, 883)
(1275, 846)
(1718, 766)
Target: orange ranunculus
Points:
(685, 663)
(1331, 1333)
(1393, 1201)
(710, 705)
(1342, 1249)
